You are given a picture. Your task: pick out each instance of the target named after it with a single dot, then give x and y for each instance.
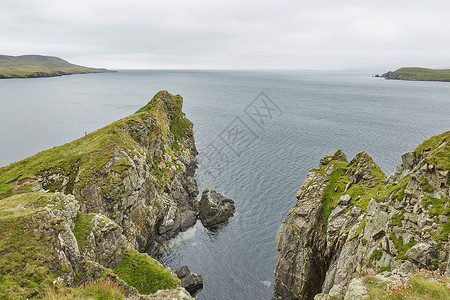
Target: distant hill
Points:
(422, 74)
(33, 66)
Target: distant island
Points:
(34, 66)
(420, 74)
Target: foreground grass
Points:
(144, 273)
(98, 289)
(422, 74)
(421, 285)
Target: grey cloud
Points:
(230, 34)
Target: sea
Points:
(257, 132)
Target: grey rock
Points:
(313, 264)
(215, 208)
(422, 254)
(190, 281)
(344, 200)
(322, 296)
(356, 290)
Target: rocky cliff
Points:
(349, 219)
(85, 210)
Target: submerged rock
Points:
(214, 208)
(190, 281)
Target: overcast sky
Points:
(231, 34)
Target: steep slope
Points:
(32, 66)
(349, 218)
(83, 210)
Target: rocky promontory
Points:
(35, 66)
(350, 220)
(418, 74)
(94, 208)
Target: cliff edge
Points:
(350, 220)
(85, 210)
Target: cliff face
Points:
(350, 218)
(86, 208)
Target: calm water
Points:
(312, 113)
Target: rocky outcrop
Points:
(142, 178)
(88, 208)
(215, 209)
(190, 281)
(350, 218)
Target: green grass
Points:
(359, 229)
(426, 187)
(400, 246)
(361, 193)
(393, 190)
(438, 148)
(376, 255)
(40, 66)
(421, 285)
(98, 289)
(144, 273)
(436, 206)
(25, 258)
(31, 202)
(396, 220)
(83, 226)
(422, 74)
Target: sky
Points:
(230, 34)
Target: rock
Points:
(388, 223)
(178, 293)
(422, 254)
(322, 296)
(190, 281)
(333, 155)
(356, 211)
(356, 290)
(408, 160)
(214, 208)
(344, 200)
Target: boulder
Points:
(214, 208)
(190, 281)
(422, 254)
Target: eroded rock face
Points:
(146, 182)
(350, 218)
(214, 208)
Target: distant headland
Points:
(419, 74)
(34, 66)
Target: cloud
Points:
(230, 34)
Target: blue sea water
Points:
(255, 148)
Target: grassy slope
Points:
(421, 285)
(40, 66)
(421, 74)
(88, 154)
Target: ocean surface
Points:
(258, 134)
